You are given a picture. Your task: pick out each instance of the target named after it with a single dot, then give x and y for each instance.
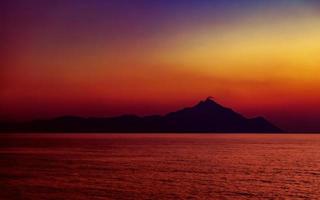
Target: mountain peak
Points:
(209, 99)
(208, 102)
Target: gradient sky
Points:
(102, 58)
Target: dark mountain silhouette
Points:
(205, 117)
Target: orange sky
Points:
(77, 58)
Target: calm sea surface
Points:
(157, 166)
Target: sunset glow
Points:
(103, 58)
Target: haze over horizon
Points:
(106, 58)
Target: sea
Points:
(159, 166)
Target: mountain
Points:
(209, 116)
(205, 117)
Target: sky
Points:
(105, 58)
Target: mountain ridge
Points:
(205, 117)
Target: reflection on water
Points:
(155, 166)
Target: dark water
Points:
(184, 166)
